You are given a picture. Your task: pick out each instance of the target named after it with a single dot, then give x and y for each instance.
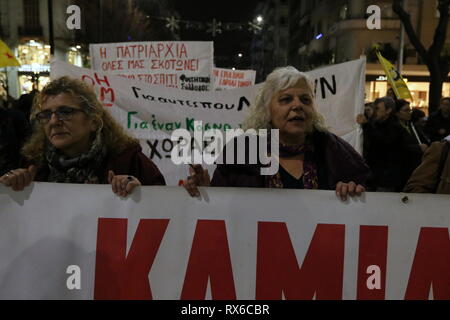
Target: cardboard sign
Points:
(231, 79)
(186, 65)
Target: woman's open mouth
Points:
(59, 134)
(297, 119)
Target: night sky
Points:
(227, 10)
(229, 43)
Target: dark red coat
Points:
(130, 162)
(336, 161)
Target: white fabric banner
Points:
(69, 241)
(151, 113)
(340, 97)
(177, 64)
(231, 79)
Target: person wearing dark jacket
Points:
(415, 143)
(418, 120)
(76, 140)
(391, 148)
(14, 129)
(336, 161)
(310, 157)
(437, 126)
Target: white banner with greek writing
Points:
(185, 65)
(151, 113)
(231, 79)
(69, 241)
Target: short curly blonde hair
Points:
(114, 136)
(280, 79)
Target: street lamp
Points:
(259, 19)
(240, 55)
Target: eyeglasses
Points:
(62, 113)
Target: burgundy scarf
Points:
(310, 179)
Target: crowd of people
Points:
(403, 148)
(63, 134)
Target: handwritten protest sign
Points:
(162, 244)
(231, 79)
(185, 65)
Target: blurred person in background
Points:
(14, 130)
(390, 148)
(433, 174)
(367, 116)
(419, 119)
(438, 123)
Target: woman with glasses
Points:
(76, 140)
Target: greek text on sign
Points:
(177, 64)
(230, 79)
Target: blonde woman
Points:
(76, 140)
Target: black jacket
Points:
(392, 154)
(14, 130)
(336, 161)
(436, 122)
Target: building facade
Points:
(323, 32)
(25, 28)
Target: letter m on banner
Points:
(278, 271)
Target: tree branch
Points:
(440, 33)
(406, 20)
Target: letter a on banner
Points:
(395, 79)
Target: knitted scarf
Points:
(80, 169)
(310, 178)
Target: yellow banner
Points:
(7, 58)
(395, 79)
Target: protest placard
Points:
(231, 79)
(185, 65)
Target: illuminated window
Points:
(74, 57)
(34, 53)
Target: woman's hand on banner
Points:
(352, 189)
(122, 185)
(199, 177)
(18, 179)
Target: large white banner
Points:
(151, 113)
(340, 98)
(69, 241)
(185, 65)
